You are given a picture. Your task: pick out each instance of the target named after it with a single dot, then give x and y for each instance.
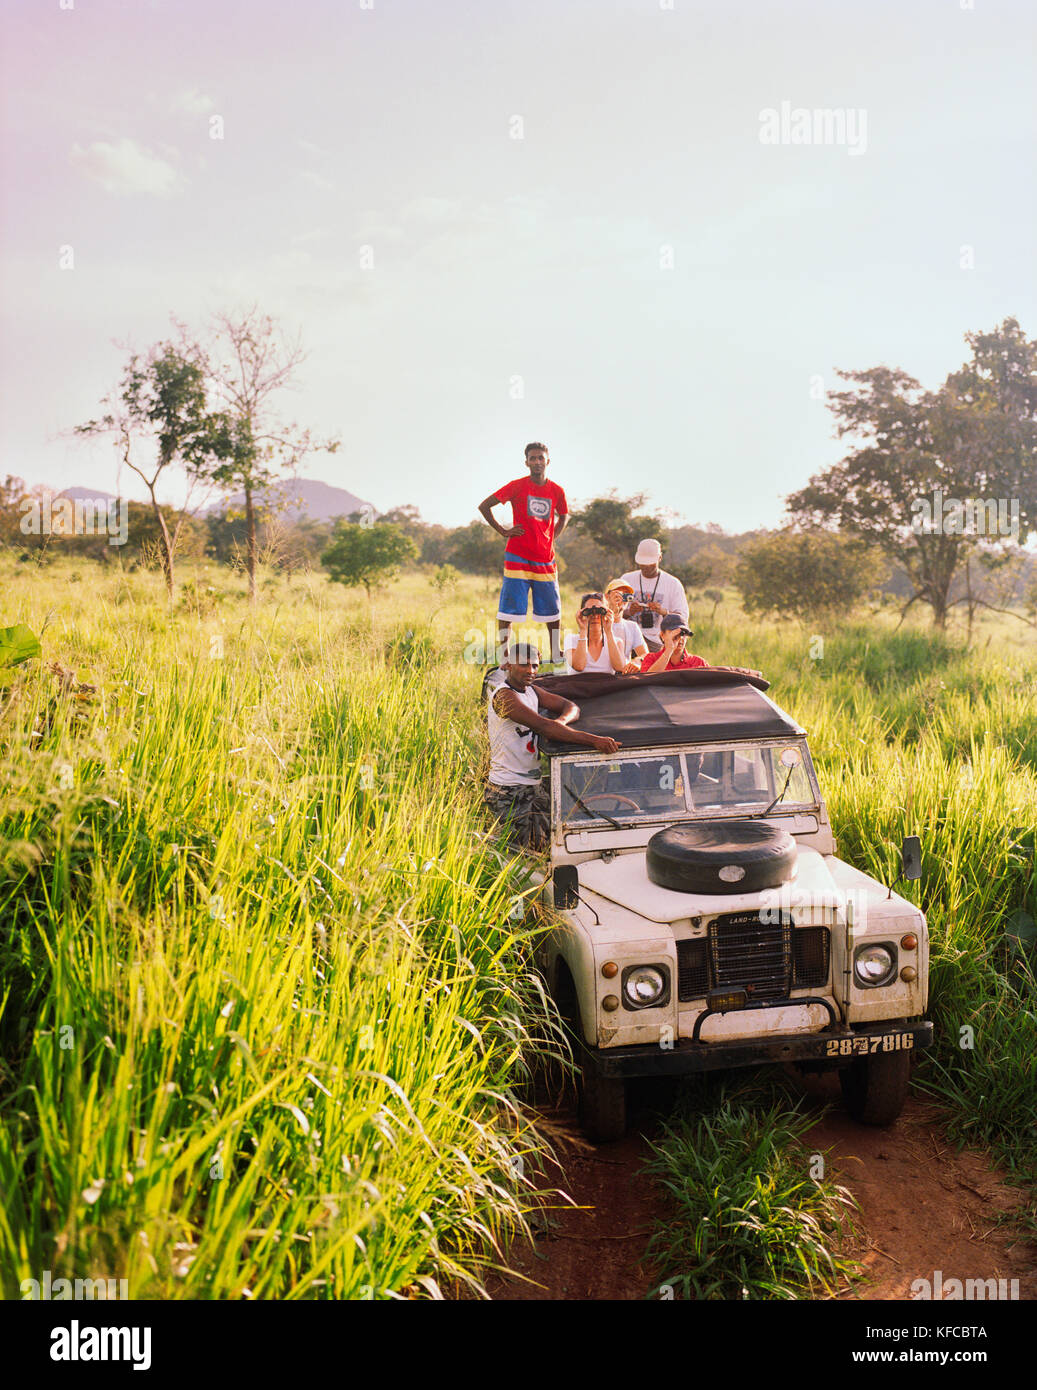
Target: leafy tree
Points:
(616, 526)
(719, 564)
(475, 549)
(812, 576)
(12, 490)
(583, 562)
(435, 544)
(366, 555)
(163, 398)
(691, 575)
(975, 439)
(716, 598)
(407, 519)
(254, 361)
(145, 532)
(433, 541)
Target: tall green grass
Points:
(912, 734)
(267, 991)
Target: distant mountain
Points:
(305, 497)
(84, 492)
(308, 497)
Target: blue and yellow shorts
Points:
(521, 577)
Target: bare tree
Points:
(254, 359)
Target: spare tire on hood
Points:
(731, 856)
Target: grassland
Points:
(267, 1001)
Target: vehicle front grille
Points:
(745, 953)
(767, 959)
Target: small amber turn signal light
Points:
(610, 969)
(722, 1001)
(909, 942)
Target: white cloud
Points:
(314, 234)
(192, 103)
(126, 167)
(317, 180)
(439, 211)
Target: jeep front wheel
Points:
(603, 1104)
(875, 1088)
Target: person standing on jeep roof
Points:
(514, 791)
(539, 514)
(656, 593)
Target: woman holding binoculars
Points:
(597, 645)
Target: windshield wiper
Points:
(781, 794)
(594, 815)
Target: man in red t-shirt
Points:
(539, 513)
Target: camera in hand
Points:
(593, 611)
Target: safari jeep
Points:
(700, 918)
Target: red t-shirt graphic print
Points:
(535, 507)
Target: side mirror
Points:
(566, 885)
(911, 857)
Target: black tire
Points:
(734, 856)
(603, 1105)
(601, 1101)
(875, 1088)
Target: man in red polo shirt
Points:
(539, 514)
(674, 655)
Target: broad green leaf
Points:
(18, 644)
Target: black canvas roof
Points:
(675, 707)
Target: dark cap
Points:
(674, 622)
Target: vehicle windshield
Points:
(705, 783)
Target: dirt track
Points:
(923, 1208)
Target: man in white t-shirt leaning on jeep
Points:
(514, 792)
(656, 593)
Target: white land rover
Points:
(699, 916)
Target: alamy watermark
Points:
(80, 516)
(80, 1342)
(973, 516)
(972, 1290)
(40, 1290)
(819, 125)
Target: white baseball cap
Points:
(648, 553)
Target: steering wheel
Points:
(611, 796)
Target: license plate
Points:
(864, 1046)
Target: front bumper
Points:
(838, 1046)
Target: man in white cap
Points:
(656, 593)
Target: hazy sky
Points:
(502, 220)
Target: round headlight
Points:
(874, 965)
(644, 985)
